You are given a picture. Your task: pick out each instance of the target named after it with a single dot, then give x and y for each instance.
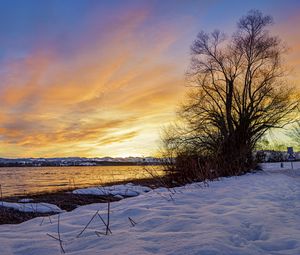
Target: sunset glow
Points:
(101, 78)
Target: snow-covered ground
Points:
(251, 214)
(32, 207)
(127, 190)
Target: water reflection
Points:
(25, 180)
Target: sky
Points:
(98, 78)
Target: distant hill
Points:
(78, 161)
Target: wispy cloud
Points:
(98, 95)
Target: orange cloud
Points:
(291, 38)
(93, 102)
(118, 139)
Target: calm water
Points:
(26, 180)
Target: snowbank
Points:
(251, 214)
(25, 200)
(278, 166)
(123, 190)
(32, 207)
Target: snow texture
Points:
(127, 190)
(251, 214)
(25, 200)
(32, 207)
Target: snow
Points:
(278, 166)
(32, 207)
(250, 214)
(122, 190)
(25, 200)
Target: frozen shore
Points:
(250, 214)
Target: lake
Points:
(28, 180)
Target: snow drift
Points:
(32, 207)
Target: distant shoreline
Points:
(79, 161)
(83, 165)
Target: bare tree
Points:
(238, 93)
